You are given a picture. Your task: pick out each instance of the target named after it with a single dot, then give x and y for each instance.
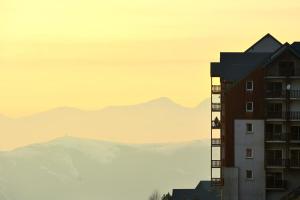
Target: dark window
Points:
(249, 85)
(269, 128)
(274, 155)
(295, 154)
(249, 107)
(274, 131)
(273, 128)
(249, 128)
(277, 128)
(249, 174)
(249, 153)
(295, 158)
(295, 132)
(274, 179)
(286, 68)
(274, 89)
(274, 110)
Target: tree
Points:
(166, 197)
(155, 196)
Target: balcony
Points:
(276, 184)
(295, 137)
(275, 94)
(282, 94)
(275, 137)
(276, 163)
(217, 181)
(216, 142)
(216, 89)
(216, 107)
(294, 94)
(275, 115)
(291, 115)
(216, 124)
(216, 163)
(295, 163)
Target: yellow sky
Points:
(93, 53)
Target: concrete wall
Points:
(255, 188)
(231, 181)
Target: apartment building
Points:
(255, 114)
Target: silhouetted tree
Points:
(155, 196)
(166, 197)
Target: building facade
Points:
(255, 114)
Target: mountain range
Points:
(160, 120)
(70, 168)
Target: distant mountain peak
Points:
(162, 101)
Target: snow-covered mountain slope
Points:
(70, 168)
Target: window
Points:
(295, 132)
(274, 179)
(249, 174)
(274, 157)
(286, 68)
(249, 153)
(249, 86)
(274, 90)
(295, 158)
(274, 110)
(274, 132)
(249, 128)
(249, 107)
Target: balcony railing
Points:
(291, 115)
(275, 115)
(216, 141)
(276, 184)
(273, 137)
(216, 163)
(282, 163)
(294, 93)
(283, 94)
(295, 136)
(216, 107)
(295, 163)
(276, 94)
(216, 89)
(215, 124)
(217, 181)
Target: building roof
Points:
(203, 191)
(296, 46)
(235, 66)
(283, 48)
(269, 40)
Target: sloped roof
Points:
(296, 46)
(235, 66)
(283, 48)
(203, 191)
(268, 38)
(193, 194)
(206, 185)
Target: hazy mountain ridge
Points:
(80, 169)
(159, 120)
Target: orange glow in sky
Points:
(93, 53)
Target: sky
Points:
(90, 54)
